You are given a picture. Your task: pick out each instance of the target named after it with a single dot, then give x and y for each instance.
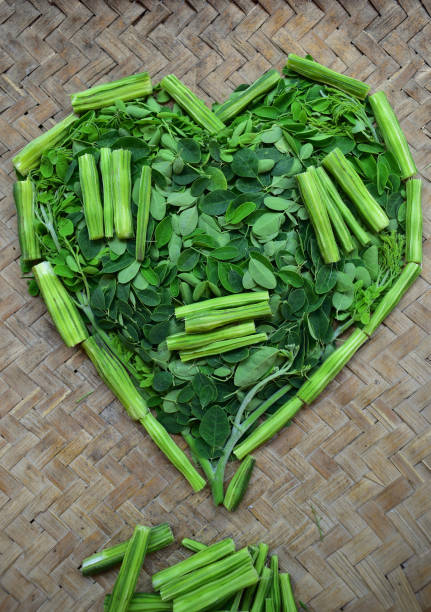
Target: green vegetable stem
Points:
(131, 565)
(414, 221)
(239, 100)
(127, 88)
(269, 427)
(222, 346)
(275, 585)
(176, 456)
(263, 587)
(184, 341)
(160, 537)
(211, 595)
(224, 567)
(205, 321)
(316, 72)
(192, 545)
(115, 376)
(143, 212)
(269, 605)
(25, 195)
(60, 306)
(123, 219)
(193, 105)
(29, 157)
(93, 211)
(208, 555)
(259, 565)
(239, 483)
(392, 133)
(352, 185)
(287, 599)
(315, 205)
(339, 226)
(108, 189)
(227, 301)
(331, 366)
(142, 602)
(393, 296)
(357, 230)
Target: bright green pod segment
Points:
(414, 221)
(275, 583)
(60, 306)
(128, 575)
(235, 605)
(262, 589)
(172, 451)
(331, 367)
(223, 346)
(143, 602)
(351, 183)
(316, 72)
(29, 157)
(227, 301)
(269, 427)
(108, 189)
(270, 606)
(193, 580)
(393, 296)
(116, 378)
(211, 595)
(340, 228)
(204, 463)
(392, 134)
(24, 194)
(239, 100)
(184, 341)
(90, 188)
(287, 599)
(319, 218)
(160, 537)
(206, 321)
(355, 227)
(144, 200)
(127, 88)
(122, 192)
(193, 105)
(210, 554)
(192, 545)
(239, 483)
(259, 565)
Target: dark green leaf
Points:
(189, 150)
(214, 427)
(245, 163)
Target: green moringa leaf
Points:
(214, 428)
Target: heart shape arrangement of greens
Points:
(208, 260)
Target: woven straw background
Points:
(76, 475)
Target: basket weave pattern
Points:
(75, 472)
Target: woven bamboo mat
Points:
(75, 472)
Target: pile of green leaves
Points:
(226, 216)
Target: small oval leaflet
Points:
(261, 274)
(214, 427)
(189, 150)
(250, 371)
